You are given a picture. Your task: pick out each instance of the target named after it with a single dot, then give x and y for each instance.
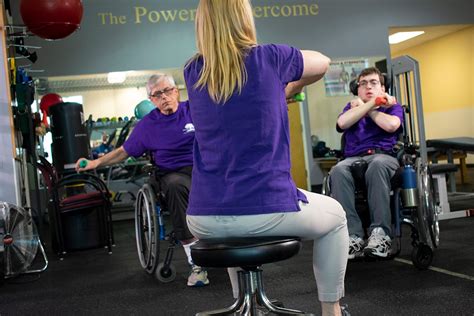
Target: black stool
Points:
(248, 254)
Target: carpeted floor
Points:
(93, 282)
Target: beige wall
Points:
(113, 102)
(117, 100)
(446, 62)
(110, 103)
(447, 84)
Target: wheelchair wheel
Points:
(428, 223)
(146, 229)
(422, 256)
(165, 274)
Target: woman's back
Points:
(241, 153)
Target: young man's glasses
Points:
(365, 83)
(159, 94)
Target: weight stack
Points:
(69, 133)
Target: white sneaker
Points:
(197, 277)
(356, 247)
(345, 311)
(379, 244)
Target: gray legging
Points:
(380, 170)
(322, 220)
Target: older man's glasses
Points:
(365, 83)
(159, 94)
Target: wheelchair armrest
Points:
(149, 168)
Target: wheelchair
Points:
(413, 201)
(413, 205)
(151, 229)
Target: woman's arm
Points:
(315, 66)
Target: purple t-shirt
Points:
(365, 134)
(169, 138)
(242, 148)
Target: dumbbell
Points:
(83, 163)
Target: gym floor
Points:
(94, 282)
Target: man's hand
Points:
(385, 100)
(356, 102)
(83, 164)
(391, 100)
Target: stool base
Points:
(252, 300)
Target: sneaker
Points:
(197, 277)
(379, 244)
(356, 246)
(345, 311)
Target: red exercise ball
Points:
(49, 100)
(51, 19)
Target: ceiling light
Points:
(116, 77)
(403, 36)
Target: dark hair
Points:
(372, 70)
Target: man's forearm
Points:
(115, 156)
(387, 122)
(352, 116)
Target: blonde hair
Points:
(225, 32)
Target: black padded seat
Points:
(437, 168)
(248, 254)
(397, 179)
(242, 252)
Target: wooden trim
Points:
(6, 74)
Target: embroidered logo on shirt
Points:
(188, 128)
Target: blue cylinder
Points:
(409, 177)
(409, 190)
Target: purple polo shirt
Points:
(366, 135)
(169, 138)
(242, 147)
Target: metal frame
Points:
(252, 298)
(149, 231)
(406, 73)
(407, 85)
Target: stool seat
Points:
(243, 252)
(248, 253)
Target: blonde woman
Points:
(242, 184)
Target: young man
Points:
(168, 134)
(371, 124)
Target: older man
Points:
(168, 134)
